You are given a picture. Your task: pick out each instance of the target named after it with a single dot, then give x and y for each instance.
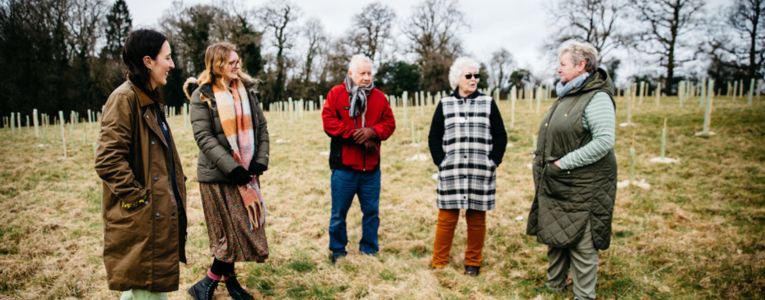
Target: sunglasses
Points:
(471, 76)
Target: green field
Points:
(696, 233)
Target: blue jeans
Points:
(346, 184)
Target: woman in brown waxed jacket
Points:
(144, 193)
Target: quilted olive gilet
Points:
(565, 200)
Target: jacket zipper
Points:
(547, 122)
(363, 155)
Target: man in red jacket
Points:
(357, 117)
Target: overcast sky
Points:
(519, 26)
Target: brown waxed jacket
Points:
(142, 245)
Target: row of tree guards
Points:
(635, 92)
(294, 109)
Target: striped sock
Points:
(213, 276)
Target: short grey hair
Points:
(458, 67)
(581, 51)
(356, 60)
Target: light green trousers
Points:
(584, 258)
(136, 294)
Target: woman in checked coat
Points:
(467, 140)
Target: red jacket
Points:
(344, 153)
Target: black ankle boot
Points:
(203, 289)
(235, 289)
(472, 270)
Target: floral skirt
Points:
(228, 227)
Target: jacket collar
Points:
(143, 99)
(207, 92)
(598, 80)
(475, 94)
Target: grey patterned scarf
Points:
(358, 98)
(563, 89)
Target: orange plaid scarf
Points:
(236, 118)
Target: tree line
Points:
(66, 54)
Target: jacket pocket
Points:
(137, 203)
(557, 183)
(119, 215)
(448, 160)
(490, 162)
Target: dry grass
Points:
(698, 233)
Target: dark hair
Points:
(140, 43)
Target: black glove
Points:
(239, 176)
(256, 168)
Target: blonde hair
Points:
(216, 58)
(581, 51)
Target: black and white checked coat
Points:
(466, 175)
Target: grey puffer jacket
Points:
(215, 159)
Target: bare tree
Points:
(371, 28)
(667, 22)
(336, 60)
(316, 38)
(84, 24)
(745, 18)
(248, 41)
(277, 16)
(592, 21)
(432, 32)
(303, 78)
(501, 64)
